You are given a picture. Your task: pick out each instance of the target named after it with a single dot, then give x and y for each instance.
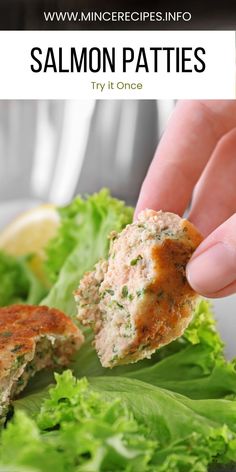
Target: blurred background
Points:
(52, 150)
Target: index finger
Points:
(192, 133)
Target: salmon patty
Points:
(139, 299)
(32, 338)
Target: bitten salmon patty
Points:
(139, 299)
(32, 338)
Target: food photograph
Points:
(118, 283)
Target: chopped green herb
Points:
(6, 334)
(17, 348)
(141, 292)
(111, 292)
(19, 361)
(124, 291)
(119, 305)
(160, 294)
(168, 232)
(134, 261)
(108, 290)
(128, 325)
(130, 297)
(20, 381)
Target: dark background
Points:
(28, 14)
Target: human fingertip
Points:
(212, 270)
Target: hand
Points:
(198, 151)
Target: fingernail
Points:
(213, 269)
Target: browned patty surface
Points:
(22, 325)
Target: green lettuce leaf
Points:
(175, 412)
(173, 418)
(193, 429)
(77, 430)
(81, 241)
(116, 424)
(23, 446)
(18, 283)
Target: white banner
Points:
(117, 64)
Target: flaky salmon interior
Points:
(140, 300)
(32, 338)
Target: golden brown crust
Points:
(22, 325)
(168, 308)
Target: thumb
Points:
(212, 269)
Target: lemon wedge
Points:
(29, 233)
